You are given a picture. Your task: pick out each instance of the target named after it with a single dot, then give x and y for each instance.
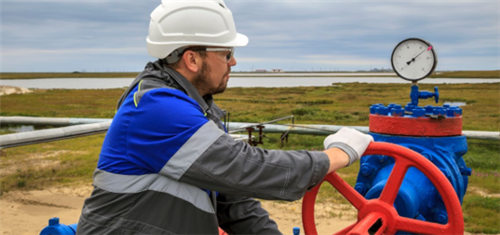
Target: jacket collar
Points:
(206, 102)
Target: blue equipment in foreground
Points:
(55, 228)
(433, 131)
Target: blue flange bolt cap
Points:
(296, 230)
(418, 112)
(440, 111)
(381, 110)
(55, 228)
(397, 111)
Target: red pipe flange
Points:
(381, 210)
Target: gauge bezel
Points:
(426, 75)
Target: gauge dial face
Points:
(414, 59)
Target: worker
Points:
(167, 166)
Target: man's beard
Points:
(202, 81)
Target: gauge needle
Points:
(413, 60)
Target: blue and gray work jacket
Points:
(165, 156)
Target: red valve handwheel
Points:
(371, 211)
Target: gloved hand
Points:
(351, 141)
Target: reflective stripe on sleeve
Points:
(117, 183)
(196, 145)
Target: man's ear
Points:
(192, 61)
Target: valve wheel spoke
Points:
(420, 227)
(346, 190)
(391, 189)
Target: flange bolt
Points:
(381, 110)
(429, 109)
(442, 217)
(360, 188)
(440, 111)
(418, 112)
(366, 169)
(397, 111)
(409, 107)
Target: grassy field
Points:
(72, 161)
(454, 74)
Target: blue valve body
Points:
(417, 197)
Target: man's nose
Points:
(232, 61)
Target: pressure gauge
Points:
(414, 59)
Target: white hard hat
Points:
(180, 23)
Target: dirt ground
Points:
(7, 90)
(28, 212)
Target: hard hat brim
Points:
(240, 40)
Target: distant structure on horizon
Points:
(272, 70)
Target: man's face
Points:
(214, 73)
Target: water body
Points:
(451, 103)
(108, 83)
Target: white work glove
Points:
(351, 141)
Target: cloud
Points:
(297, 35)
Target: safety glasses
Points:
(228, 57)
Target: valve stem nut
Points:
(441, 217)
(440, 111)
(366, 169)
(360, 187)
(429, 109)
(418, 112)
(409, 107)
(397, 111)
(390, 106)
(452, 112)
(381, 110)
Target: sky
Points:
(293, 35)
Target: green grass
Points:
(486, 208)
(72, 161)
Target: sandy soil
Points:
(7, 90)
(28, 212)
